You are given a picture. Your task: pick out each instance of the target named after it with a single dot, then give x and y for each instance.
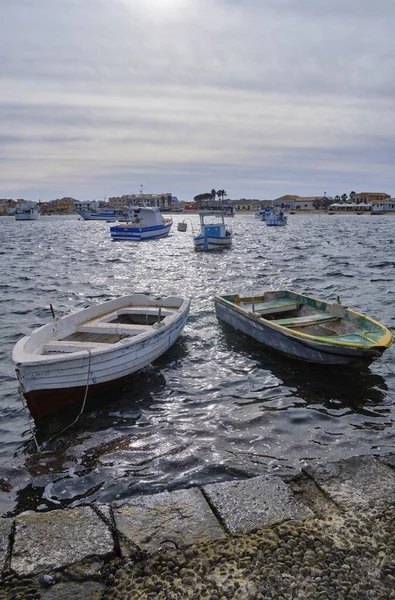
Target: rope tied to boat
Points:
(40, 448)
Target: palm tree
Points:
(344, 197)
(213, 194)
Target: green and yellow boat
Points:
(306, 328)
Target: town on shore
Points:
(373, 202)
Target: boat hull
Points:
(276, 221)
(92, 216)
(306, 350)
(212, 243)
(138, 234)
(27, 216)
(51, 384)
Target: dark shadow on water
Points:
(314, 383)
(125, 400)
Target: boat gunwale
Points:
(315, 340)
(29, 359)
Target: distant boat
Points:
(103, 214)
(214, 234)
(306, 328)
(229, 210)
(144, 223)
(275, 218)
(84, 352)
(27, 213)
(262, 212)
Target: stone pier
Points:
(327, 533)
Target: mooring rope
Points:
(83, 403)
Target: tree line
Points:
(210, 196)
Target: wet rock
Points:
(59, 538)
(254, 503)
(182, 516)
(355, 483)
(5, 530)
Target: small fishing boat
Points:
(306, 328)
(214, 234)
(82, 353)
(145, 223)
(263, 212)
(102, 214)
(229, 210)
(27, 213)
(276, 219)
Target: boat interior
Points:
(316, 319)
(108, 329)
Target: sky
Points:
(258, 97)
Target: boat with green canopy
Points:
(306, 328)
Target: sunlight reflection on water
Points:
(217, 405)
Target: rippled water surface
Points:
(216, 406)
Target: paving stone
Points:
(52, 540)
(254, 503)
(388, 460)
(355, 483)
(182, 516)
(5, 530)
(88, 590)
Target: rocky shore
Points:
(328, 533)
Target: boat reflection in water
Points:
(315, 384)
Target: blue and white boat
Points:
(276, 219)
(263, 212)
(214, 234)
(144, 223)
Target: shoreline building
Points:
(161, 201)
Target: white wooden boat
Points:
(95, 347)
(145, 223)
(306, 328)
(214, 234)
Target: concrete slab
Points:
(355, 483)
(182, 516)
(53, 540)
(5, 530)
(254, 503)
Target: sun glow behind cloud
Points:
(187, 91)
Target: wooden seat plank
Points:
(306, 320)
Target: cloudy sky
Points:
(258, 97)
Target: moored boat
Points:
(214, 234)
(306, 328)
(82, 353)
(102, 214)
(144, 223)
(263, 212)
(229, 210)
(275, 218)
(27, 213)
